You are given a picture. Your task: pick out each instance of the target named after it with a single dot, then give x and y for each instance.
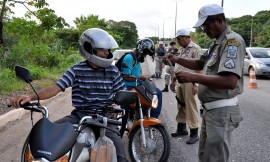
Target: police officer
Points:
(169, 69)
(219, 86)
(185, 92)
(160, 52)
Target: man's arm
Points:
(43, 94)
(225, 80)
(190, 63)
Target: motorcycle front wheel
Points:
(24, 150)
(157, 148)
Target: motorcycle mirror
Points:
(125, 97)
(23, 73)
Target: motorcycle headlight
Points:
(155, 101)
(29, 157)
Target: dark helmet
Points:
(146, 47)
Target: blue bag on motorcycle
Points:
(104, 149)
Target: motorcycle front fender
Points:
(146, 122)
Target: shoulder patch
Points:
(232, 51)
(229, 64)
(233, 42)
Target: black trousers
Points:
(75, 117)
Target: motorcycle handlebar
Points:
(114, 122)
(109, 121)
(35, 106)
(31, 106)
(99, 118)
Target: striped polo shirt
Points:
(91, 88)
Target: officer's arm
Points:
(190, 63)
(224, 80)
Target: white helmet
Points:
(94, 38)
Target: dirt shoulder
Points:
(5, 101)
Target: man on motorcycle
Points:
(144, 47)
(94, 82)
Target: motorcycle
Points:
(148, 139)
(48, 141)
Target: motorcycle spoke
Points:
(154, 142)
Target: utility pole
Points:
(164, 26)
(251, 32)
(221, 3)
(175, 18)
(157, 30)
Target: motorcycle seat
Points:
(51, 140)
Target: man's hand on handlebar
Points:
(20, 100)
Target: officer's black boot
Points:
(181, 130)
(154, 76)
(159, 76)
(166, 89)
(193, 136)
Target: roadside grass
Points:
(42, 76)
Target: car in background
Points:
(257, 58)
(117, 54)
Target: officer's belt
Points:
(220, 103)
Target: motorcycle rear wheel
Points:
(158, 146)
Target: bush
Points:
(37, 72)
(9, 82)
(19, 54)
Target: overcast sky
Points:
(151, 15)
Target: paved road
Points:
(250, 140)
(13, 135)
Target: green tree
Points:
(69, 38)
(261, 30)
(125, 33)
(154, 39)
(6, 10)
(201, 39)
(91, 21)
(20, 26)
(242, 26)
(46, 16)
(17, 28)
(49, 20)
(263, 38)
